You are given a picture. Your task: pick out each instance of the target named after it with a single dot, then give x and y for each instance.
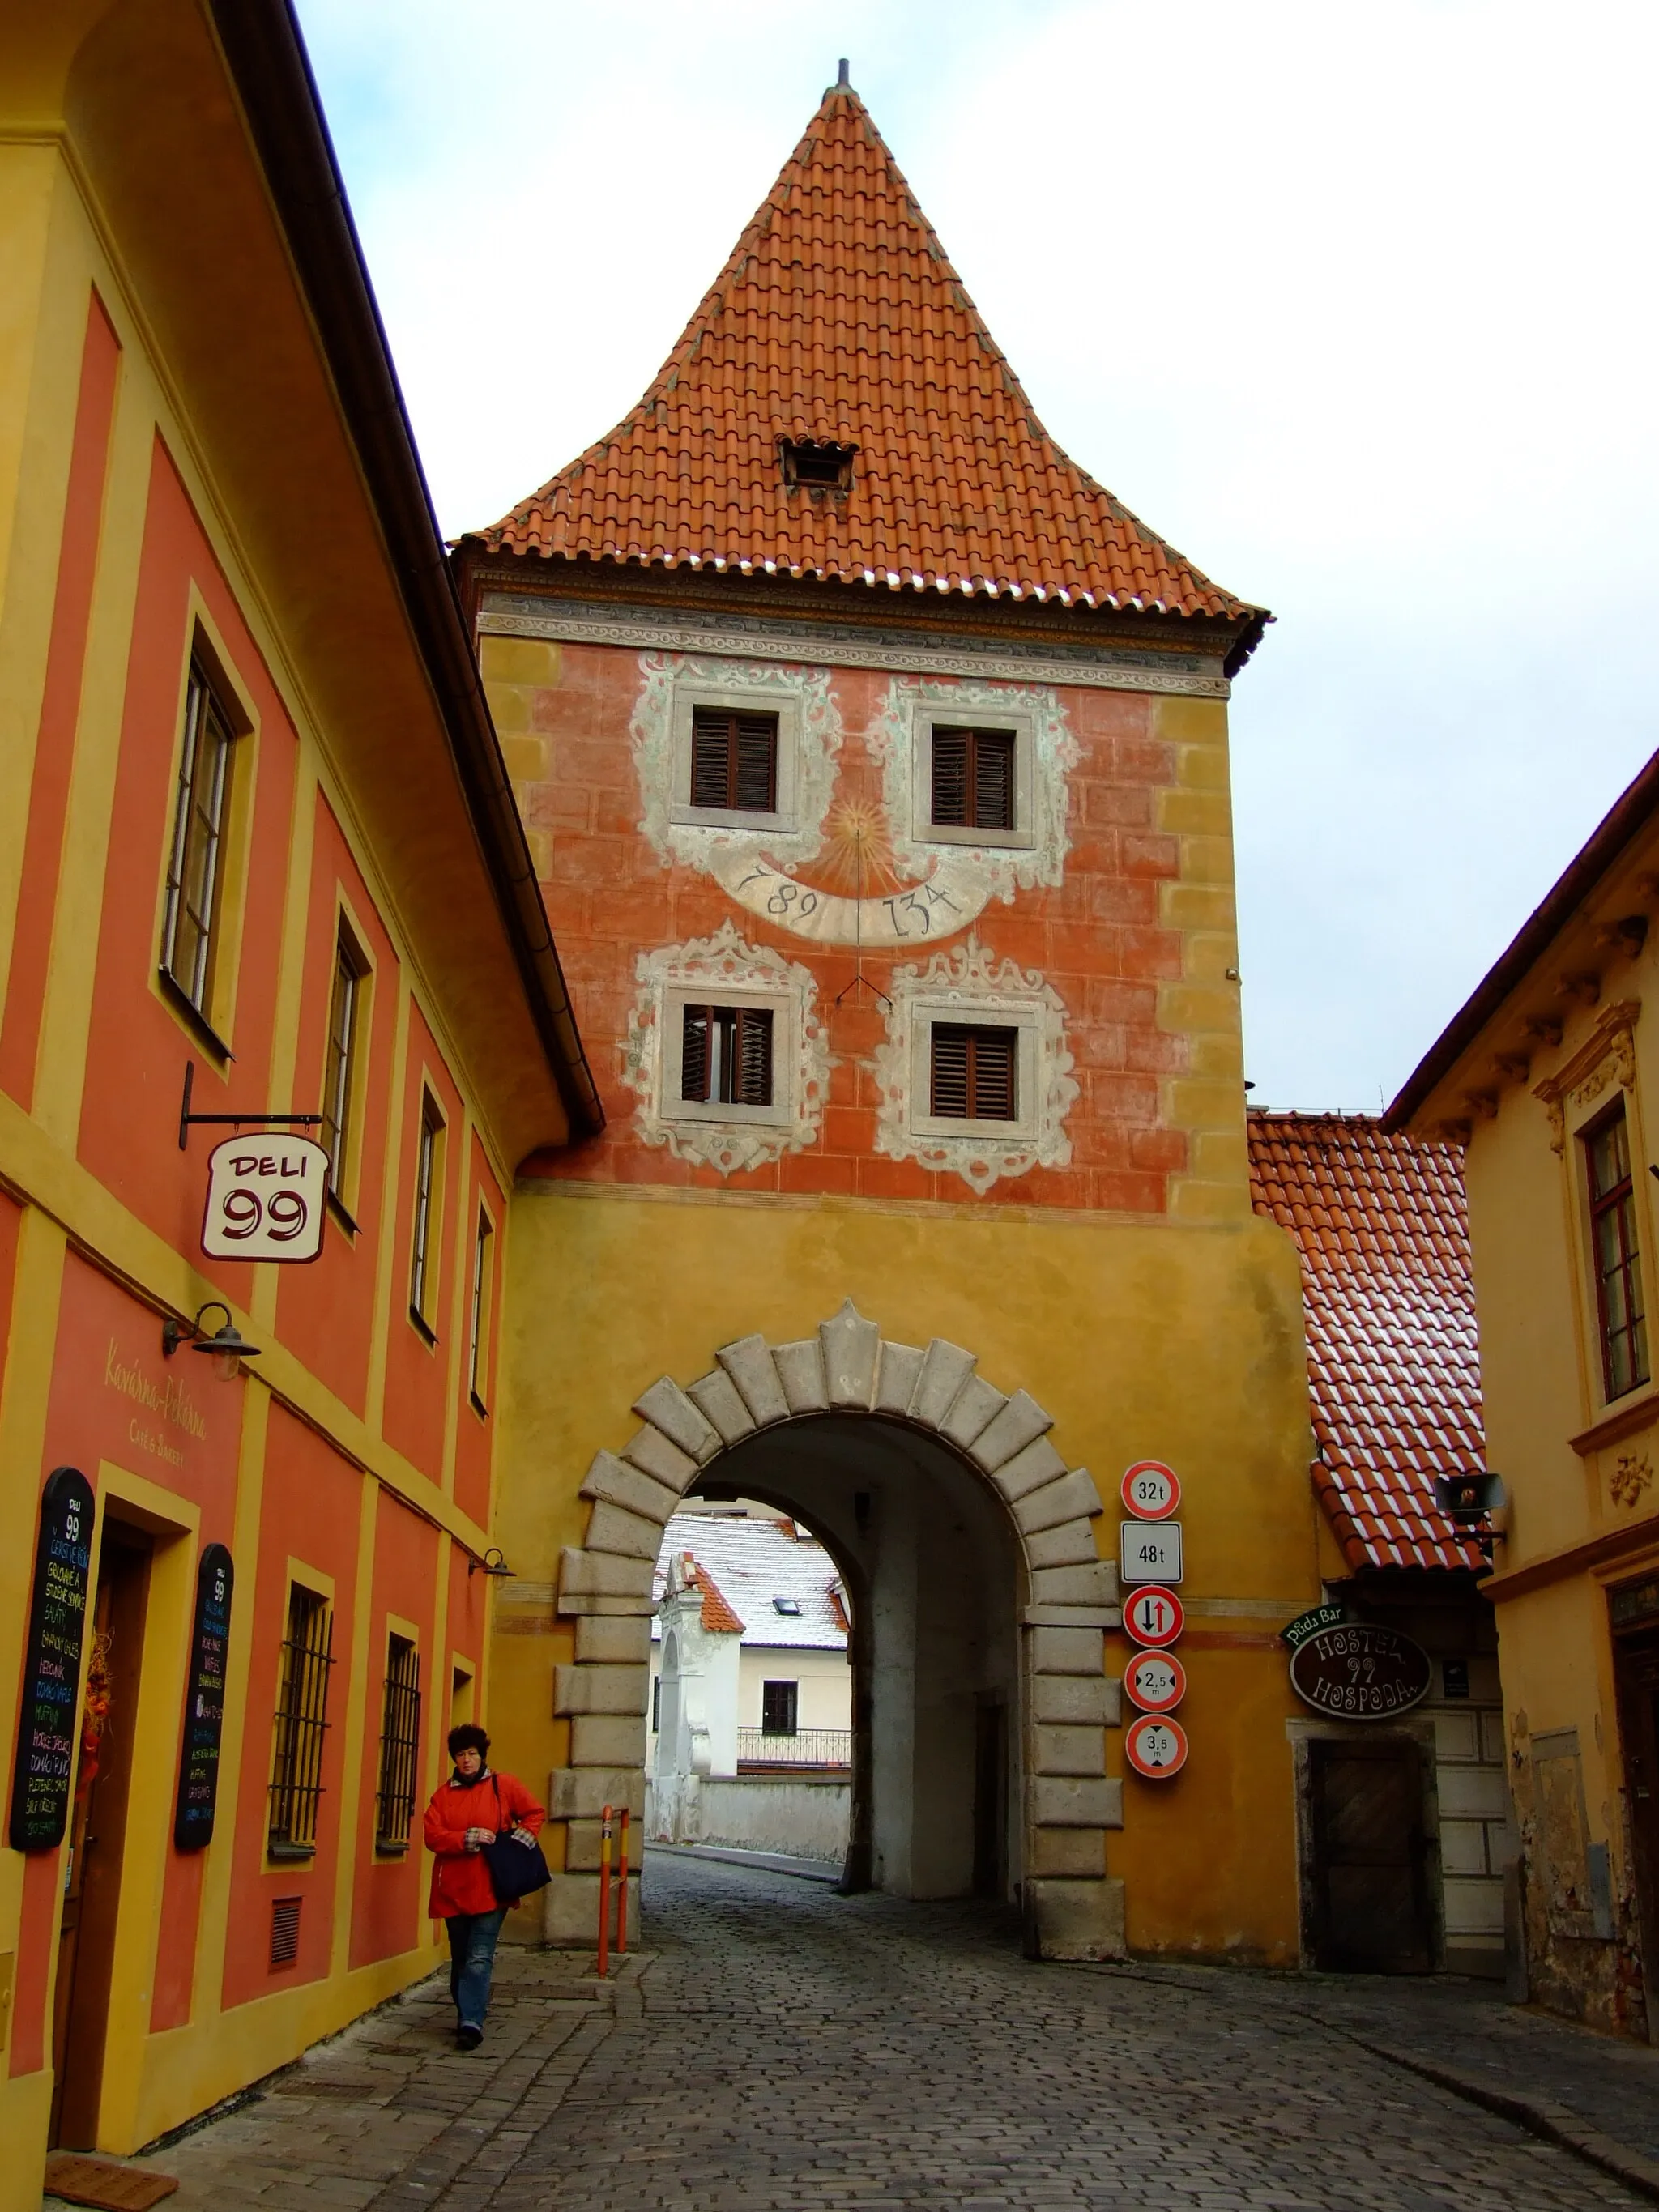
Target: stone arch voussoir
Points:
(605, 1582)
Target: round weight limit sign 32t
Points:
(1150, 1491)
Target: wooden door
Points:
(97, 1831)
(1636, 1674)
(1371, 1903)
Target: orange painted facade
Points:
(163, 509)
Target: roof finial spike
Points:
(842, 76)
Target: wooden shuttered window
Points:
(735, 761)
(974, 779)
(726, 1055)
(975, 1072)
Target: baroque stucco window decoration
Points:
(966, 985)
(673, 686)
(1034, 851)
(724, 970)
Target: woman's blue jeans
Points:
(471, 1961)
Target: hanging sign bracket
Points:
(187, 1120)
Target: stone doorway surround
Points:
(1074, 1910)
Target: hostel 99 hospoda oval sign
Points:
(264, 1198)
(1358, 1673)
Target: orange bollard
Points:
(604, 1967)
(622, 1893)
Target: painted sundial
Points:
(853, 893)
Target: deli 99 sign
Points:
(264, 1198)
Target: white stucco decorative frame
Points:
(605, 1586)
(1045, 751)
(711, 968)
(809, 744)
(966, 984)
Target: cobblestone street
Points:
(786, 2047)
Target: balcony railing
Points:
(807, 1747)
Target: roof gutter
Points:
(265, 55)
(1635, 807)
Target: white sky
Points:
(1354, 305)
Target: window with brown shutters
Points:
(726, 1055)
(735, 761)
(973, 779)
(975, 1072)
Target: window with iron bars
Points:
(400, 1745)
(296, 1779)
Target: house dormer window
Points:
(817, 464)
(726, 1055)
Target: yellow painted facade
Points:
(1554, 1061)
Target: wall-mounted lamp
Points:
(491, 1564)
(226, 1347)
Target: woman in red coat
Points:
(467, 1812)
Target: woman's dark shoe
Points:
(468, 2039)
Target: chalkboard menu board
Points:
(52, 1666)
(205, 1708)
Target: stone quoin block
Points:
(611, 1528)
(1020, 1422)
(749, 1363)
(1074, 1854)
(1076, 1700)
(1093, 1583)
(852, 1355)
(635, 1492)
(1067, 1750)
(581, 1689)
(972, 1410)
(1066, 1650)
(581, 1793)
(583, 1841)
(1061, 1500)
(1076, 1919)
(607, 1740)
(602, 1574)
(570, 1910)
(801, 1370)
(1067, 1544)
(621, 1642)
(667, 1407)
(717, 1395)
(897, 1377)
(654, 1455)
(1075, 1802)
(1037, 1463)
(944, 1368)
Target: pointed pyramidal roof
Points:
(839, 319)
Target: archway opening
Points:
(933, 1584)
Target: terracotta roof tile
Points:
(1393, 1357)
(838, 318)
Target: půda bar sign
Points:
(51, 1664)
(205, 1708)
(1356, 1672)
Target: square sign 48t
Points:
(1152, 1551)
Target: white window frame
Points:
(737, 699)
(930, 715)
(953, 1014)
(785, 1010)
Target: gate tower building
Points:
(874, 761)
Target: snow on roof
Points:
(756, 1562)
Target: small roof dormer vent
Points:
(817, 464)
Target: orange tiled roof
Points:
(716, 1615)
(1392, 1360)
(838, 318)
